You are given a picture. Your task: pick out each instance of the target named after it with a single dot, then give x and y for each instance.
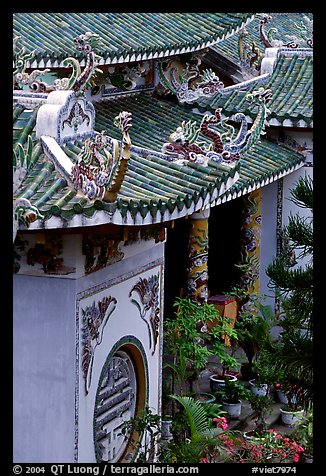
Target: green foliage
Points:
(182, 332)
(189, 342)
(293, 352)
(233, 391)
(254, 321)
(261, 404)
(147, 424)
(303, 432)
(199, 415)
(183, 452)
(196, 414)
(264, 371)
(303, 193)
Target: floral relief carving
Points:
(94, 320)
(148, 292)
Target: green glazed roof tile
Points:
(152, 184)
(284, 23)
(291, 84)
(122, 34)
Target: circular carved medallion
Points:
(115, 404)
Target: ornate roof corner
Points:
(249, 53)
(23, 211)
(190, 85)
(302, 38)
(227, 144)
(20, 77)
(79, 79)
(65, 116)
(99, 173)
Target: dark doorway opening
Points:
(176, 262)
(224, 230)
(225, 224)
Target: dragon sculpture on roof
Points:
(225, 145)
(79, 79)
(20, 77)
(304, 37)
(98, 172)
(190, 84)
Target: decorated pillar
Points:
(250, 247)
(197, 283)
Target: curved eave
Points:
(137, 211)
(121, 52)
(154, 190)
(242, 187)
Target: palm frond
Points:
(196, 414)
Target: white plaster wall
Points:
(43, 369)
(46, 349)
(268, 238)
(117, 281)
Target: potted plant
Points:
(185, 347)
(261, 405)
(292, 408)
(264, 374)
(228, 363)
(218, 380)
(291, 411)
(230, 396)
(254, 321)
(303, 433)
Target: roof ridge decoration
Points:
(78, 81)
(250, 55)
(23, 210)
(304, 38)
(191, 84)
(20, 77)
(225, 147)
(272, 55)
(65, 116)
(98, 173)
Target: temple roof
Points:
(154, 189)
(283, 26)
(125, 37)
(291, 85)
(263, 163)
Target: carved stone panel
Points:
(115, 404)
